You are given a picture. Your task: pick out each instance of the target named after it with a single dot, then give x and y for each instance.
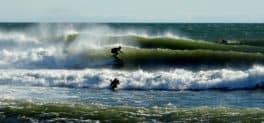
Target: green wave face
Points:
(136, 57)
(170, 51)
(181, 44)
(28, 112)
(184, 44)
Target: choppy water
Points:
(53, 104)
(134, 98)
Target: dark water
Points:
(197, 31)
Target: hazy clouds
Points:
(132, 10)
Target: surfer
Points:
(224, 42)
(118, 63)
(114, 84)
(116, 51)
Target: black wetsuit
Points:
(114, 84)
(115, 51)
(118, 63)
(224, 42)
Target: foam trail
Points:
(177, 79)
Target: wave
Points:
(176, 79)
(61, 47)
(54, 57)
(141, 57)
(34, 112)
(175, 43)
(183, 44)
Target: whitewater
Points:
(177, 79)
(61, 72)
(42, 56)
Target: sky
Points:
(228, 11)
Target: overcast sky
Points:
(132, 10)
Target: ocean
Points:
(168, 72)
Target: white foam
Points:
(30, 58)
(44, 45)
(177, 79)
(17, 37)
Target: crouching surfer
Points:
(118, 63)
(114, 83)
(116, 51)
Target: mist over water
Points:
(47, 45)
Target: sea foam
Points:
(175, 79)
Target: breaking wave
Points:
(175, 79)
(49, 55)
(67, 47)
